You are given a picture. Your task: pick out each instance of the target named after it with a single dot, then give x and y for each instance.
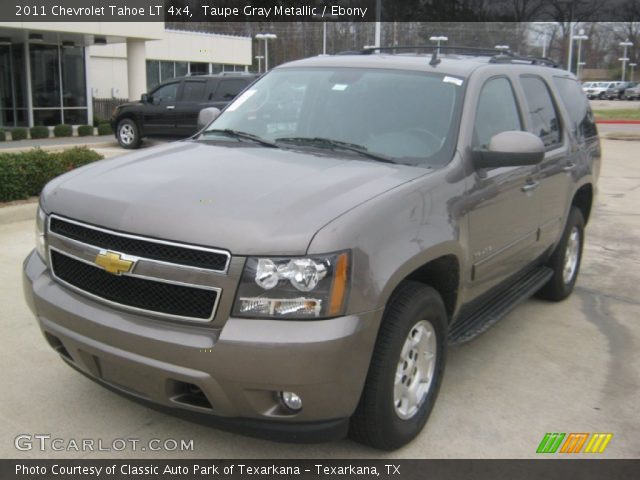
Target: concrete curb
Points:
(619, 122)
(18, 213)
(54, 148)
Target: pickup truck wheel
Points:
(565, 260)
(406, 369)
(128, 134)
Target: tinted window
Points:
(543, 117)
(576, 103)
(497, 111)
(229, 89)
(165, 94)
(193, 91)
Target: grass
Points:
(618, 114)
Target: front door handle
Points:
(569, 166)
(530, 185)
(170, 107)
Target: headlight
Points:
(297, 287)
(41, 234)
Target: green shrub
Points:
(85, 130)
(104, 129)
(18, 133)
(24, 174)
(39, 132)
(3, 136)
(62, 130)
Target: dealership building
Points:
(50, 73)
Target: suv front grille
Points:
(142, 247)
(138, 293)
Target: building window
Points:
(182, 68)
(153, 74)
(198, 68)
(58, 84)
(166, 71)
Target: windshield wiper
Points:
(335, 144)
(242, 136)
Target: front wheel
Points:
(128, 134)
(406, 369)
(565, 260)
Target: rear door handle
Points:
(530, 185)
(170, 107)
(569, 166)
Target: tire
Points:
(386, 418)
(601, 96)
(128, 134)
(565, 272)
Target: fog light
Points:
(292, 401)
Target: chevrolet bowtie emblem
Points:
(113, 263)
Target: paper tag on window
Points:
(340, 87)
(454, 80)
(240, 100)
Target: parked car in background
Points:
(616, 92)
(633, 92)
(586, 86)
(172, 108)
(598, 90)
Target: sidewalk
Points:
(57, 143)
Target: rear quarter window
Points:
(576, 103)
(544, 120)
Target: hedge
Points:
(24, 174)
(39, 132)
(85, 130)
(18, 133)
(62, 130)
(104, 129)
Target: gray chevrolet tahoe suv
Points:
(300, 266)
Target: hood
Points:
(248, 200)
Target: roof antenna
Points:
(434, 58)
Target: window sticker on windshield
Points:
(454, 80)
(340, 87)
(240, 100)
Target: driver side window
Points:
(165, 94)
(497, 111)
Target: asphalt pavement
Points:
(546, 367)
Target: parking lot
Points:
(567, 367)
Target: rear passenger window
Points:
(497, 111)
(576, 103)
(229, 89)
(193, 91)
(544, 120)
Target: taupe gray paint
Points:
(251, 200)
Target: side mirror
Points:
(510, 149)
(144, 98)
(206, 116)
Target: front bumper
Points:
(233, 372)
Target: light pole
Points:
(580, 37)
(624, 58)
(579, 71)
(266, 37)
(438, 39)
(633, 67)
(259, 58)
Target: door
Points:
(544, 120)
(502, 201)
(226, 90)
(158, 113)
(191, 100)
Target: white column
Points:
(27, 71)
(136, 68)
(89, 89)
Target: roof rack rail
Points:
(496, 55)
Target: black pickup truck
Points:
(172, 107)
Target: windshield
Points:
(408, 117)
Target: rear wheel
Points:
(406, 369)
(128, 134)
(565, 260)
